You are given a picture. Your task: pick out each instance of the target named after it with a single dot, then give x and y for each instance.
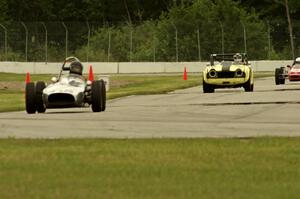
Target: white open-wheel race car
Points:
(66, 91)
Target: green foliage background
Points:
(152, 25)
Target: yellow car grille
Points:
(227, 74)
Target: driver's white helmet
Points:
(297, 60)
(237, 57)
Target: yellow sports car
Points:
(228, 71)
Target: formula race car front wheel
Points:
(277, 75)
(40, 106)
(103, 97)
(282, 73)
(30, 98)
(279, 79)
(207, 88)
(97, 96)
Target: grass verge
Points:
(157, 168)
(145, 85)
(12, 99)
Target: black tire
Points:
(252, 87)
(207, 88)
(248, 86)
(40, 106)
(103, 97)
(30, 98)
(282, 69)
(277, 76)
(97, 95)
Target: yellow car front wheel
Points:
(207, 88)
(248, 86)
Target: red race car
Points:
(290, 72)
(294, 73)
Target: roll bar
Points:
(64, 68)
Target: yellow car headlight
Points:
(239, 73)
(212, 73)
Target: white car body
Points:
(66, 90)
(69, 91)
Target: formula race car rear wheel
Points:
(103, 97)
(40, 106)
(97, 95)
(207, 88)
(277, 76)
(30, 98)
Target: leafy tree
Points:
(153, 25)
(158, 38)
(274, 12)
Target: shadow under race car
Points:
(66, 91)
(228, 71)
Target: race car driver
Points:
(297, 61)
(76, 68)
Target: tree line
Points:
(156, 30)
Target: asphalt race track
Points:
(269, 111)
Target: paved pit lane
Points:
(269, 111)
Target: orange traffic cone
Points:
(184, 74)
(91, 74)
(27, 78)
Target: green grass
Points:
(259, 168)
(11, 101)
(142, 85)
(22, 77)
(122, 85)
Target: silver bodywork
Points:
(69, 91)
